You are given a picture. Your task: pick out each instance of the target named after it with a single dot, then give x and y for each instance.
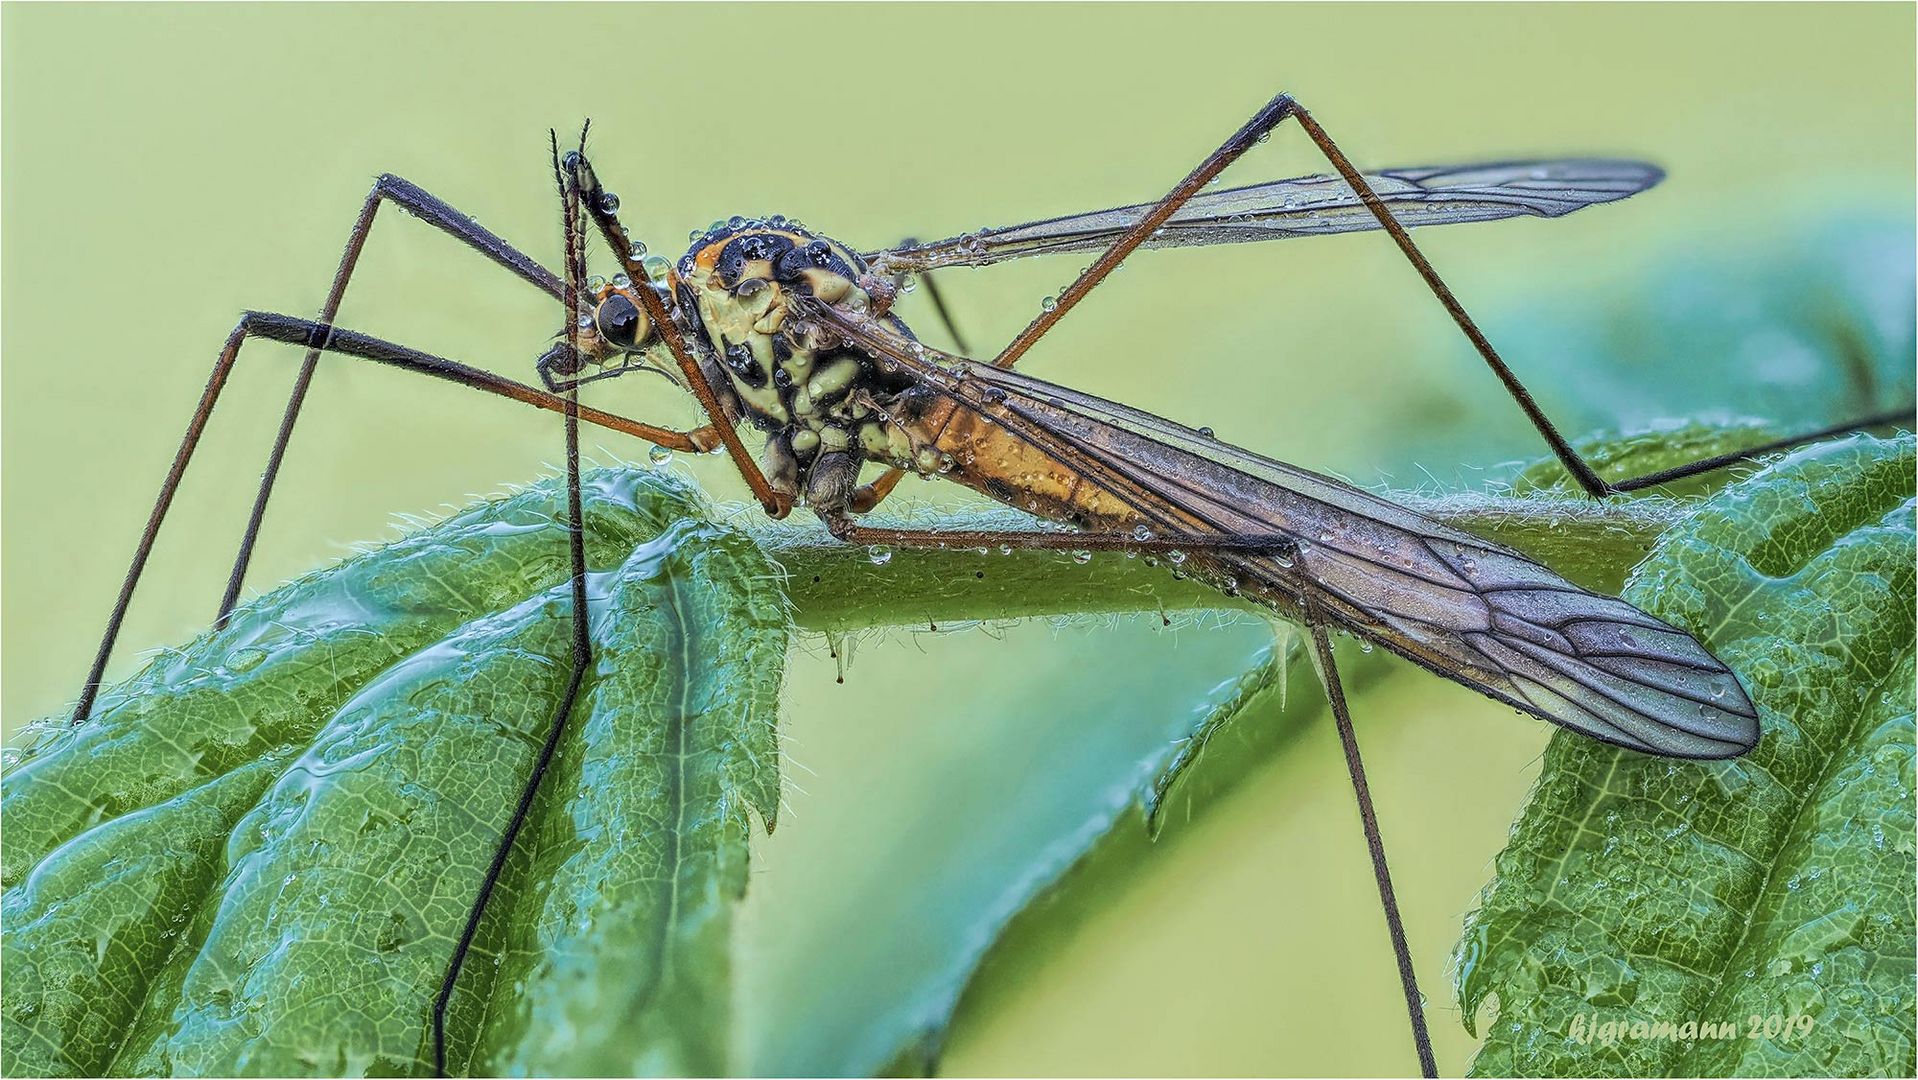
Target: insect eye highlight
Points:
(622, 323)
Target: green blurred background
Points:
(168, 166)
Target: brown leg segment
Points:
(328, 339)
(1230, 151)
(1574, 463)
(421, 204)
(852, 532)
(1368, 819)
(601, 208)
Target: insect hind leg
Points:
(1374, 844)
(1574, 463)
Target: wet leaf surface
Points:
(1639, 896)
(257, 857)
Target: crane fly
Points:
(772, 326)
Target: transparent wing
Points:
(1306, 206)
(1472, 611)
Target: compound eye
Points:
(622, 323)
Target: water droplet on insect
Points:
(1206, 433)
(621, 281)
(1141, 533)
(1365, 646)
(1177, 558)
(638, 250)
(595, 283)
(656, 266)
(585, 322)
(735, 221)
(659, 456)
(879, 554)
(1050, 303)
(609, 202)
(1082, 557)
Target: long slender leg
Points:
(314, 335)
(1269, 117)
(602, 207)
(434, 211)
(582, 639)
(582, 656)
(1705, 465)
(1381, 873)
(1228, 152)
(850, 531)
(1581, 471)
(1315, 618)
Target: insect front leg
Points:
(582, 650)
(436, 212)
(603, 207)
(322, 338)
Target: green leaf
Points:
(1639, 891)
(257, 856)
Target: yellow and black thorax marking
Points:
(813, 393)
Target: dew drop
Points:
(638, 250)
(659, 456)
(1082, 557)
(879, 554)
(609, 202)
(1206, 433)
(1049, 303)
